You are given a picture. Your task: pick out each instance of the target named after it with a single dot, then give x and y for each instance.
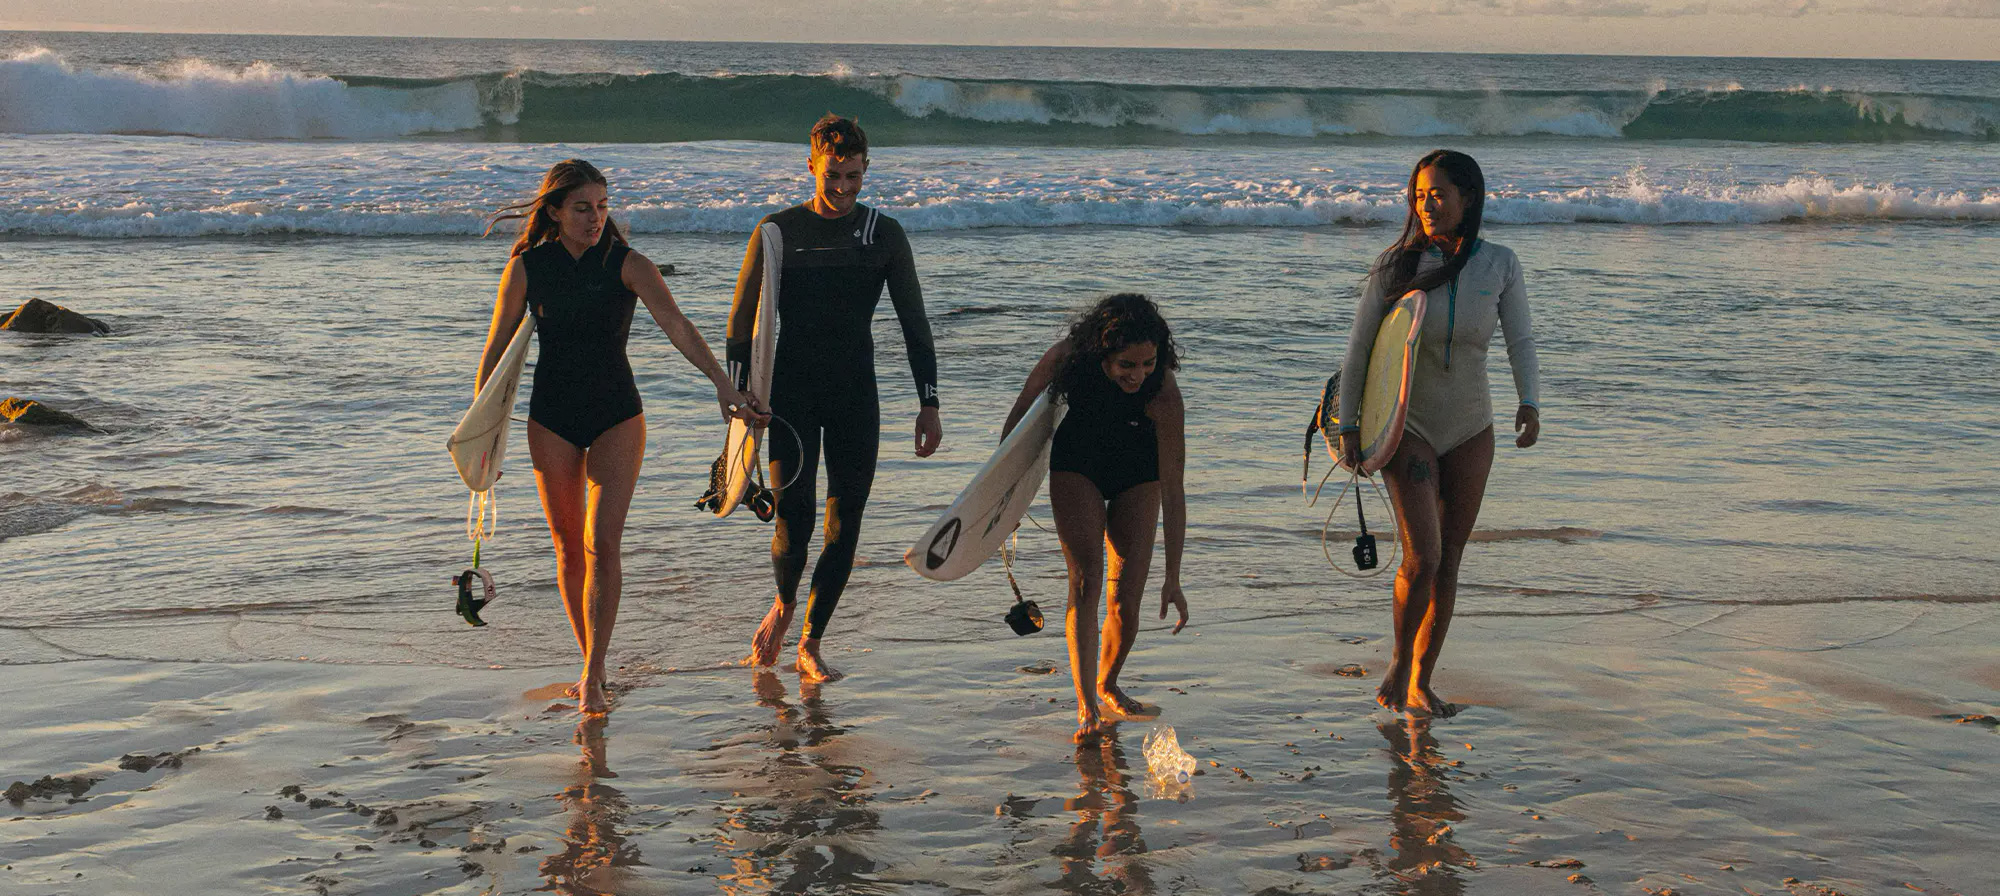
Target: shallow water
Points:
(1691, 761)
(1772, 415)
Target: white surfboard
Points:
(1385, 393)
(994, 501)
(480, 441)
(745, 438)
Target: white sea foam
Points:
(168, 187)
(1797, 200)
(41, 93)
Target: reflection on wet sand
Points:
(1421, 813)
(1104, 850)
(593, 847)
(799, 820)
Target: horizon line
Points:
(112, 29)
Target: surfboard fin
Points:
(1325, 421)
(757, 497)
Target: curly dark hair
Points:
(1116, 322)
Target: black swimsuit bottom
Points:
(583, 314)
(1107, 438)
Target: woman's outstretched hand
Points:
(742, 406)
(1171, 596)
(1527, 422)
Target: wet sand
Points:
(1763, 750)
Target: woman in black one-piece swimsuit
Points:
(572, 269)
(1115, 466)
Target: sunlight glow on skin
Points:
(1439, 206)
(1129, 366)
(837, 184)
(580, 220)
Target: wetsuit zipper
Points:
(1450, 321)
(1451, 309)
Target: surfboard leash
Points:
(1364, 544)
(482, 524)
(1025, 617)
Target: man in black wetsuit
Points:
(838, 255)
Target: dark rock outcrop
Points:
(37, 316)
(34, 413)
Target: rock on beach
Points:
(27, 412)
(38, 316)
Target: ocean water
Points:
(1729, 590)
(1769, 364)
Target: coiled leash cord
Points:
(1364, 544)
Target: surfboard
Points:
(745, 439)
(994, 501)
(480, 441)
(1385, 392)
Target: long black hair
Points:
(1115, 323)
(1396, 270)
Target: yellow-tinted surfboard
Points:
(1385, 393)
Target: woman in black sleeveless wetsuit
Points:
(572, 269)
(1116, 466)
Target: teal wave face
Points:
(922, 110)
(264, 103)
(1815, 117)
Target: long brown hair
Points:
(537, 214)
(1397, 268)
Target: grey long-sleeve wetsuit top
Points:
(1449, 398)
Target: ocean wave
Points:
(1166, 204)
(42, 93)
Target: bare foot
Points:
(812, 666)
(1089, 726)
(593, 701)
(1426, 702)
(1117, 701)
(770, 637)
(1393, 692)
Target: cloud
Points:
(1927, 9)
(1640, 9)
(1212, 14)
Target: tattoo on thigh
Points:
(1420, 470)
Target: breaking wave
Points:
(41, 93)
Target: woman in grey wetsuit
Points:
(1115, 467)
(572, 269)
(1438, 474)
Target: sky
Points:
(1928, 29)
